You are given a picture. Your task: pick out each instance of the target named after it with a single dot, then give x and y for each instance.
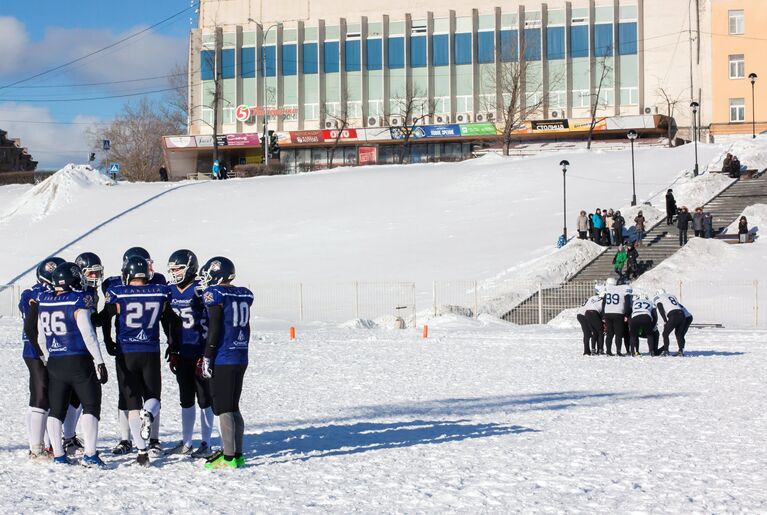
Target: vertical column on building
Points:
(430, 65)
(409, 90)
(593, 72)
(544, 61)
(475, 63)
(300, 74)
(640, 51)
(194, 81)
(365, 111)
(386, 88)
(218, 77)
(344, 90)
(568, 60)
(238, 68)
(522, 46)
(499, 105)
(452, 71)
(260, 75)
(279, 97)
(322, 96)
(616, 58)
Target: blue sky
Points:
(36, 35)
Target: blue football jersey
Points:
(236, 302)
(188, 305)
(140, 307)
(115, 280)
(27, 296)
(56, 313)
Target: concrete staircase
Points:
(660, 242)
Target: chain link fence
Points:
(9, 300)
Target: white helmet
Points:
(611, 281)
(660, 292)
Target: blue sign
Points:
(106, 145)
(114, 168)
(427, 131)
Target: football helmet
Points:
(135, 267)
(216, 271)
(182, 266)
(45, 270)
(67, 277)
(93, 270)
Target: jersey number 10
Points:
(240, 314)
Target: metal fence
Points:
(9, 300)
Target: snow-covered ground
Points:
(481, 417)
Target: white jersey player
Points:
(676, 319)
(617, 306)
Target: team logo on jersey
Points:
(241, 339)
(50, 266)
(215, 266)
(208, 297)
(88, 301)
(141, 336)
(108, 297)
(56, 346)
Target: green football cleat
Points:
(240, 462)
(221, 463)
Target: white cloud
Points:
(52, 145)
(13, 41)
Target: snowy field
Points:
(482, 417)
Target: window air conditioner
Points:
(395, 121)
(442, 118)
(463, 118)
(374, 121)
(555, 114)
(331, 124)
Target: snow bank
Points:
(69, 185)
(752, 154)
(756, 216)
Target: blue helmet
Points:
(45, 270)
(93, 270)
(182, 266)
(67, 277)
(135, 267)
(216, 271)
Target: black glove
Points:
(111, 346)
(102, 372)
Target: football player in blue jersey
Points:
(226, 355)
(124, 445)
(141, 309)
(69, 345)
(186, 301)
(38, 375)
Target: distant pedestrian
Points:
(215, 170)
(683, 220)
(632, 262)
(697, 222)
(639, 224)
(708, 225)
(743, 230)
(224, 175)
(727, 164)
(670, 207)
(618, 224)
(598, 223)
(735, 167)
(609, 226)
(583, 225)
(619, 261)
(605, 228)
(163, 174)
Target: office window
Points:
(737, 23)
(396, 50)
(486, 47)
(310, 58)
(509, 45)
(440, 44)
(579, 41)
(603, 40)
(418, 51)
(737, 110)
(270, 61)
(627, 38)
(462, 48)
(207, 64)
(248, 62)
(353, 56)
(289, 59)
(227, 63)
(737, 66)
(555, 43)
(532, 45)
(330, 55)
(374, 49)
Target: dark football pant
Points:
(138, 378)
(226, 388)
(190, 386)
(679, 324)
(38, 384)
(73, 373)
(645, 325)
(597, 332)
(615, 329)
(587, 335)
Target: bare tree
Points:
(177, 100)
(596, 97)
(516, 97)
(671, 102)
(413, 107)
(136, 135)
(341, 123)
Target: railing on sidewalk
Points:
(9, 300)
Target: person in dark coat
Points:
(683, 220)
(632, 262)
(735, 167)
(743, 230)
(639, 222)
(670, 207)
(697, 222)
(727, 164)
(618, 224)
(163, 174)
(708, 225)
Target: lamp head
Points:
(632, 135)
(694, 106)
(564, 164)
(752, 77)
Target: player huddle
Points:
(616, 313)
(206, 321)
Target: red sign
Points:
(340, 134)
(304, 137)
(243, 140)
(368, 155)
(242, 113)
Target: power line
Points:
(107, 83)
(86, 56)
(85, 99)
(41, 122)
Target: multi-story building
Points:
(14, 157)
(351, 74)
(739, 47)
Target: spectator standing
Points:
(618, 224)
(639, 224)
(708, 225)
(632, 262)
(608, 225)
(605, 228)
(224, 172)
(215, 170)
(743, 230)
(163, 174)
(583, 225)
(697, 222)
(670, 207)
(683, 220)
(619, 261)
(598, 223)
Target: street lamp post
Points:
(695, 106)
(564, 164)
(752, 77)
(632, 135)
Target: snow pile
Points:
(756, 216)
(752, 154)
(69, 185)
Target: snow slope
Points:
(470, 220)
(481, 418)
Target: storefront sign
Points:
(204, 141)
(306, 137)
(340, 134)
(442, 131)
(179, 142)
(243, 140)
(368, 155)
(550, 125)
(478, 129)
